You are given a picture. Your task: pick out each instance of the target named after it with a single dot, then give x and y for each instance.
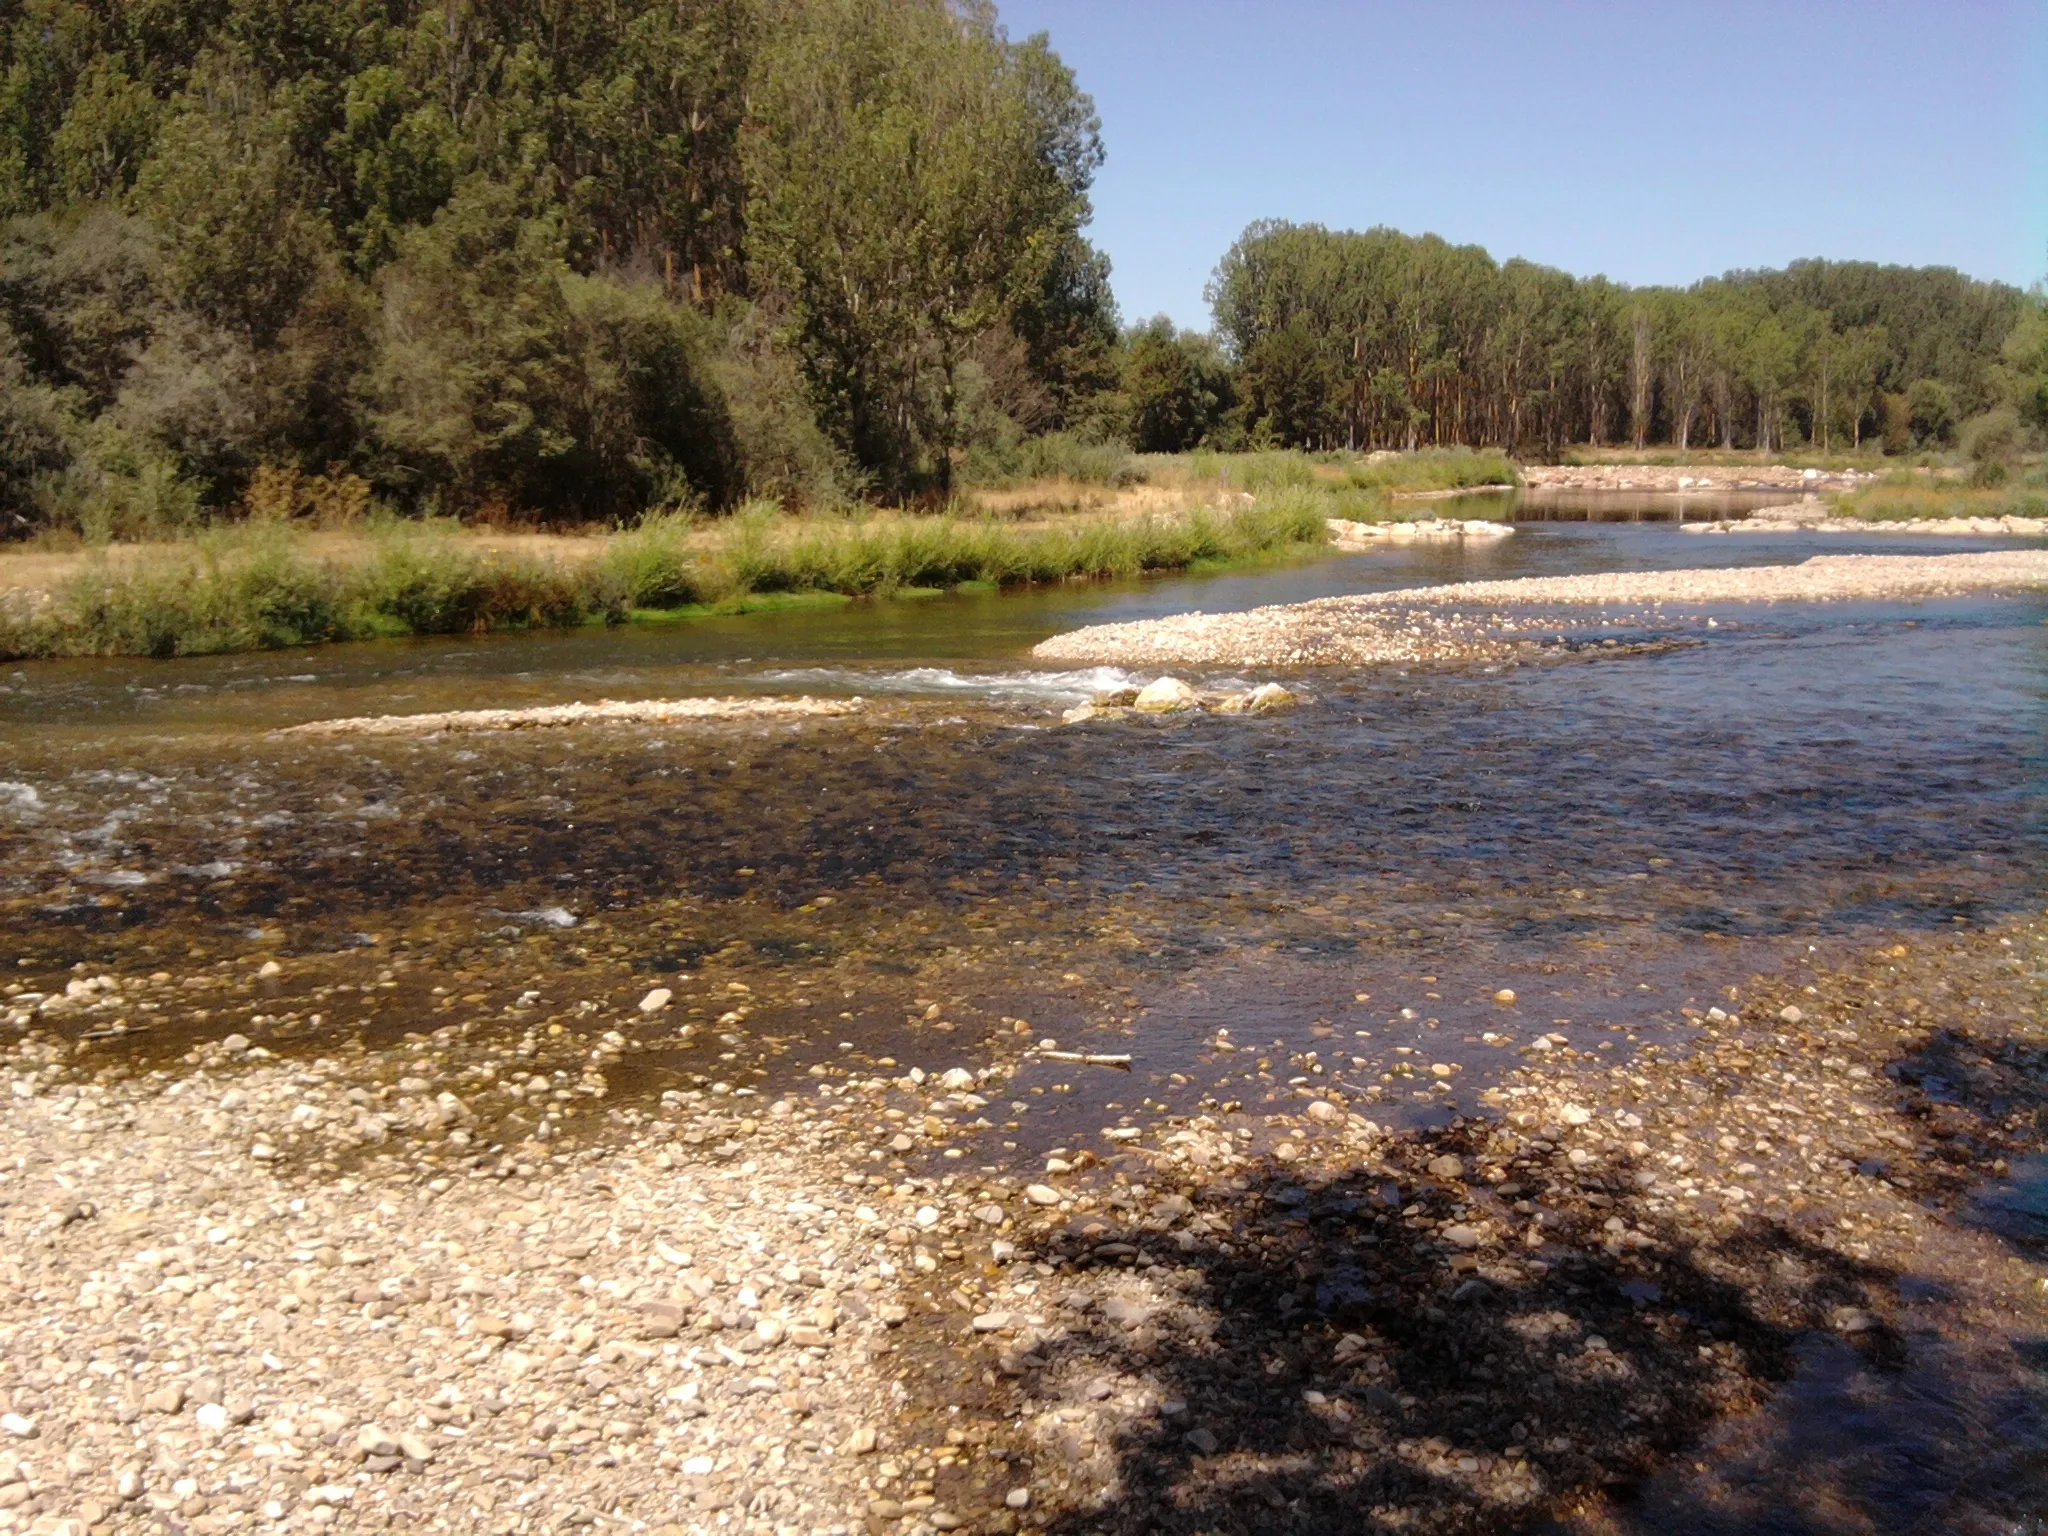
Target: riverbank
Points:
(1413, 624)
(1812, 515)
(471, 1280)
(1700, 477)
(260, 588)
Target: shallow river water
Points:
(1249, 907)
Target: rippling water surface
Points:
(1816, 769)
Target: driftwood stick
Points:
(1121, 1063)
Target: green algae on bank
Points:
(752, 603)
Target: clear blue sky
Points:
(1657, 141)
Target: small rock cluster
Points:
(1686, 477)
(1810, 515)
(1346, 534)
(1172, 696)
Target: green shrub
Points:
(1908, 497)
(1434, 469)
(1057, 455)
(1992, 443)
(784, 454)
(653, 565)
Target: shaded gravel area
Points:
(394, 1286)
(1512, 1322)
(1410, 626)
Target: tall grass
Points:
(1055, 456)
(1906, 497)
(659, 567)
(1390, 474)
(255, 588)
(1434, 469)
(1272, 470)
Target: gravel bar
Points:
(1811, 515)
(1686, 477)
(1409, 626)
(604, 712)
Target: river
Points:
(1345, 888)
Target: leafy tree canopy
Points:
(529, 252)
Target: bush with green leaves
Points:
(474, 256)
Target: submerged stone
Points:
(1264, 699)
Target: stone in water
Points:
(1167, 695)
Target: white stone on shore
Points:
(656, 1000)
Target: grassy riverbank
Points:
(1066, 511)
(1057, 460)
(1915, 499)
(257, 587)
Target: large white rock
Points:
(1166, 696)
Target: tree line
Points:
(575, 259)
(1386, 340)
(572, 257)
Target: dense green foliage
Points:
(1382, 339)
(1178, 390)
(598, 261)
(574, 260)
